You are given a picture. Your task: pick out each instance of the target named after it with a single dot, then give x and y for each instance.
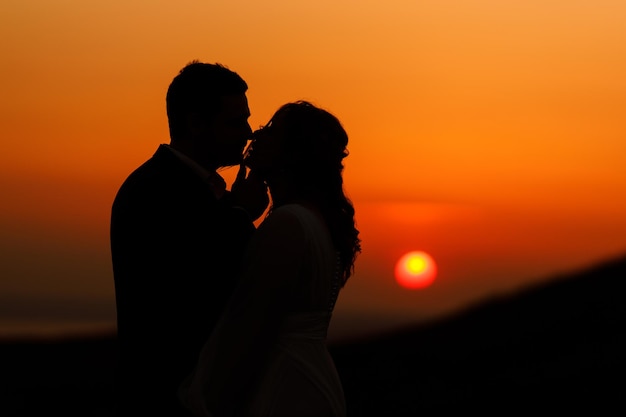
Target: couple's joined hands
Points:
(249, 191)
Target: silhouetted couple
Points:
(215, 317)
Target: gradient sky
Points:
(489, 134)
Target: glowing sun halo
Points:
(415, 270)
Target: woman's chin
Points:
(249, 162)
(252, 162)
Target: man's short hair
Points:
(199, 87)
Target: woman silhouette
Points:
(268, 354)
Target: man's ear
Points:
(195, 123)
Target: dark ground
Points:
(556, 349)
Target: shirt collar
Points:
(212, 178)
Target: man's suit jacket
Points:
(175, 250)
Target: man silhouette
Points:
(177, 236)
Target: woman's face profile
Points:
(265, 150)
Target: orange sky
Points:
(488, 133)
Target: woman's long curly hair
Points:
(314, 148)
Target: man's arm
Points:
(250, 193)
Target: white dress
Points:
(267, 356)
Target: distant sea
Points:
(53, 329)
(44, 317)
(348, 326)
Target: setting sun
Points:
(415, 270)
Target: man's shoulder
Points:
(161, 165)
(150, 175)
(161, 160)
